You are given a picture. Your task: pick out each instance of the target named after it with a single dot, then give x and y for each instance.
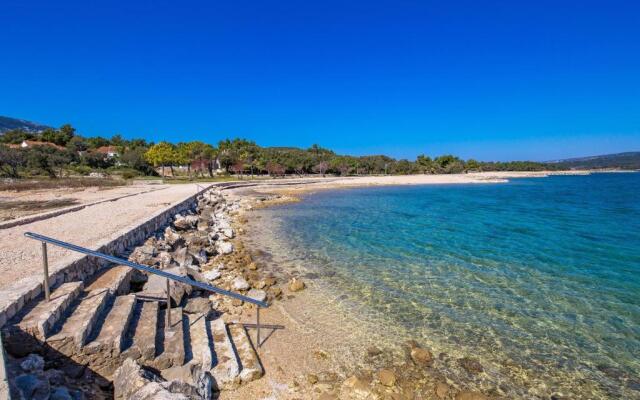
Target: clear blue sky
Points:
(491, 80)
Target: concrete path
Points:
(90, 227)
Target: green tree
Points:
(10, 161)
(161, 154)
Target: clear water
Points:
(538, 278)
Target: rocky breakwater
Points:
(202, 245)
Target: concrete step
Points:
(76, 329)
(173, 351)
(201, 345)
(143, 332)
(226, 366)
(117, 279)
(110, 339)
(250, 367)
(43, 317)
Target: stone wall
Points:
(14, 298)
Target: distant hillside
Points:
(7, 124)
(629, 160)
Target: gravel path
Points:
(90, 227)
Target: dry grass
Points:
(22, 185)
(19, 208)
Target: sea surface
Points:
(538, 278)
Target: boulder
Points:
(256, 294)
(228, 233)
(172, 238)
(198, 305)
(421, 356)
(32, 363)
(240, 283)
(296, 285)
(130, 378)
(223, 247)
(471, 365)
(357, 388)
(181, 223)
(387, 377)
(183, 257)
(156, 391)
(144, 254)
(469, 395)
(212, 275)
(33, 386)
(62, 393)
(441, 390)
(156, 286)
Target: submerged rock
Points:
(387, 377)
(471, 365)
(296, 285)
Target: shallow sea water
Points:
(537, 278)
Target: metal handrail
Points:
(122, 261)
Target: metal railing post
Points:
(168, 306)
(45, 265)
(258, 323)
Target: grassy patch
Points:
(21, 185)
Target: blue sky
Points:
(490, 80)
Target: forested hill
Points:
(8, 124)
(628, 160)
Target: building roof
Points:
(107, 150)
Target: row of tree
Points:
(237, 156)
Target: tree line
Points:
(67, 152)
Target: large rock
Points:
(183, 257)
(33, 387)
(468, 395)
(156, 286)
(172, 238)
(471, 365)
(156, 391)
(212, 275)
(421, 356)
(256, 294)
(198, 305)
(357, 388)
(223, 247)
(240, 283)
(296, 285)
(387, 377)
(182, 224)
(144, 254)
(130, 378)
(33, 363)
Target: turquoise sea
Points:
(539, 278)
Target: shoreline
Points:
(303, 360)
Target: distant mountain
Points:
(629, 160)
(7, 124)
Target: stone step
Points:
(110, 339)
(76, 329)
(117, 279)
(250, 367)
(173, 352)
(43, 317)
(201, 345)
(143, 332)
(226, 366)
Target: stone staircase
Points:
(102, 323)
